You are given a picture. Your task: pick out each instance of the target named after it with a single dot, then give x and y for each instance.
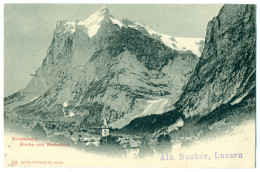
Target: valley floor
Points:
(239, 141)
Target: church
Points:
(105, 129)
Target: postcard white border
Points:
(2, 2)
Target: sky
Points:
(28, 29)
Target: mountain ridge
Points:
(177, 43)
(112, 72)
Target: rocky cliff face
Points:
(226, 72)
(222, 86)
(104, 68)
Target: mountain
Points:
(100, 68)
(226, 72)
(223, 84)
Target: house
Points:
(89, 139)
(132, 151)
(132, 143)
(94, 142)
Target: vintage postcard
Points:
(130, 85)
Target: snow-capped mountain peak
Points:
(97, 17)
(177, 43)
(93, 22)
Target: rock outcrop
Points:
(226, 72)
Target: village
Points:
(100, 137)
(103, 139)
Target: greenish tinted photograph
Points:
(130, 85)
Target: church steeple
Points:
(105, 123)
